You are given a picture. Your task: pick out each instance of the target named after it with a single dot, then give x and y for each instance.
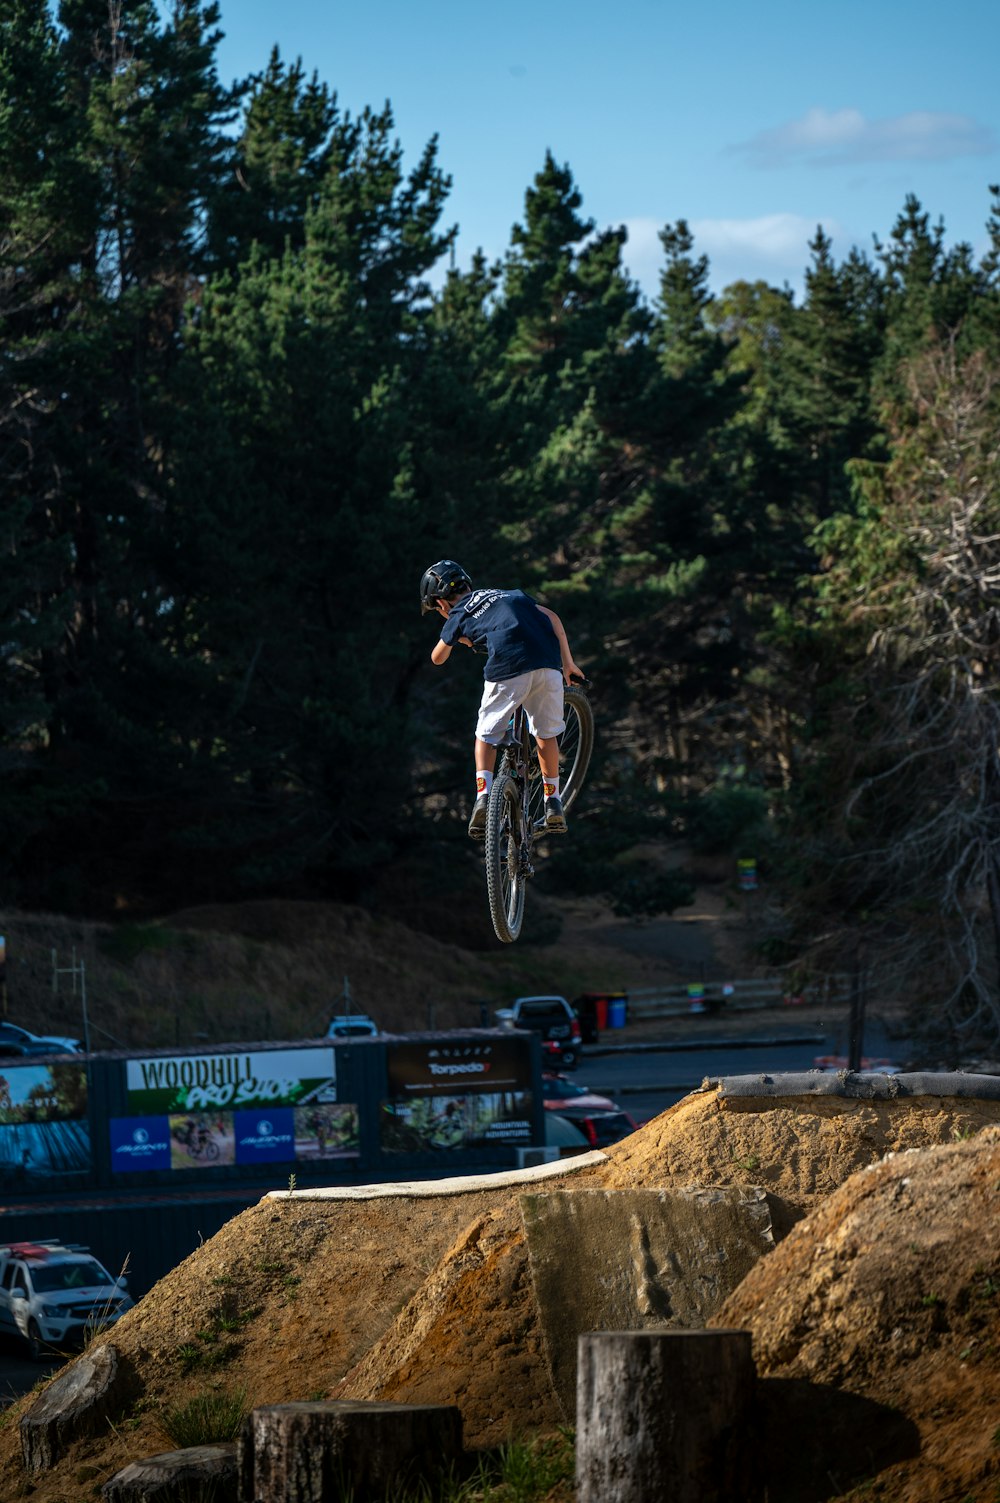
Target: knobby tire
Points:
(505, 879)
(576, 744)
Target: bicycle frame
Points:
(516, 812)
(517, 753)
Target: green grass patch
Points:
(206, 1419)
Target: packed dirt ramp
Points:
(883, 1309)
(427, 1297)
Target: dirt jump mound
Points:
(871, 1285)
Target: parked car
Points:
(574, 1131)
(598, 1129)
(353, 1025)
(12, 1033)
(559, 1089)
(565, 1135)
(598, 1120)
(555, 1022)
(18, 1049)
(56, 1294)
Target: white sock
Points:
(484, 782)
(551, 786)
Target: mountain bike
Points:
(515, 814)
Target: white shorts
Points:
(541, 693)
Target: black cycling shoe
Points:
(555, 819)
(477, 824)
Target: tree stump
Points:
(310, 1453)
(79, 1401)
(198, 1474)
(666, 1414)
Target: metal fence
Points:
(735, 996)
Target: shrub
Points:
(206, 1418)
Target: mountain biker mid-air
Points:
(527, 660)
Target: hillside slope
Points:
(277, 969)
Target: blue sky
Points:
(753, 123)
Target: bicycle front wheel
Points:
(505, 869)
(576, 742)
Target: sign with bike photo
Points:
(463, 1093)
(198, 1139)
(231, 1081)
(326, 1132)
(44, 1131)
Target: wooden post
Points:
(312, 1453)
(666, 1414)
(856, 1022)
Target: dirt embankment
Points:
(879, 1308)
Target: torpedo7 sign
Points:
(458, 1066)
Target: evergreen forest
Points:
(241, 410)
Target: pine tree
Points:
(279, 163)
(829, 349)
(929, 292)
(541, 289)
(307, 465)
(98, 258)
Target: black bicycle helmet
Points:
(441, 580)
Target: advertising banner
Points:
(463, 1093)
(233, 1081)
(265, 1138)
(459, 1066)
(422, 1124)
(44, 1130)
(202, 1140)
(327, 1132)
(139, 1144)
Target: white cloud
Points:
(771, 247)
(771, 237)
(834, 137)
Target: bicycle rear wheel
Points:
(505, 869)
(576, 742)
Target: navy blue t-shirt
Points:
(508, 626)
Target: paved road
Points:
(17, 1373)
(646, 1079)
